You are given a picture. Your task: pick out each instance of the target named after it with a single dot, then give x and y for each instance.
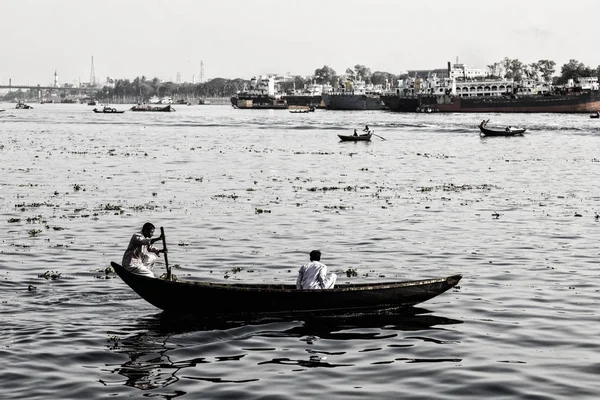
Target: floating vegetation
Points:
(37, 218)
(13, 220)
(225, 196)
(450, 187)
(111, 207)
(326, 188)
(77, 187)
(261, 211)
(23, 206)
(52, 275)
(144, 207)
(58, 228)
(351, 273)
(337, 207)
(427, 155)
(34, 232)
(182, 244)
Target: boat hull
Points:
(304, 101)
(351, 102)
(209, 299)
(578, 102)
(491, 132)
(352, 138)
(258, 103)
(149, 108)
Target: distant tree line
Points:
(543, 69)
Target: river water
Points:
(244, 195)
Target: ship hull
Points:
(258, 103)
(401, 104)
(304, 101)
(352, 102)
(580, 102)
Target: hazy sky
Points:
(236, 38)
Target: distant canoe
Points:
(108, 110)
(302, 110)
(146, 107)
(208, 298)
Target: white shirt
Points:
(314, 276)
(140, 252)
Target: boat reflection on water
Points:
(154, 351)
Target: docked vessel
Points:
(152, 108)
(354, 96)
(160, 100)
(497, 96)
(310, 96)
(259, 95)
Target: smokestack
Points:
(449, 69)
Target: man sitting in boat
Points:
(366, 129)
(140, 255)
(355, 133)
(508, 128)
(314, 274)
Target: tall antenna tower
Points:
(201, 71)
(92, 74)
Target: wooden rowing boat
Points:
(359, 138)
(508, 131)
(209, 299)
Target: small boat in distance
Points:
(597, 115)
(147, 107)
(212, 298)
(108, 110)
(364, 137)
(508, 131)
(23, 106)
(303, 110)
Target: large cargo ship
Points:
(582, 101)
(498, 95)
(573, 102)
(354, 96)
(260, 95)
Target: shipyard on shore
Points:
(454, 89)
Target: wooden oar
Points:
(164, 240)
(378, 136)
